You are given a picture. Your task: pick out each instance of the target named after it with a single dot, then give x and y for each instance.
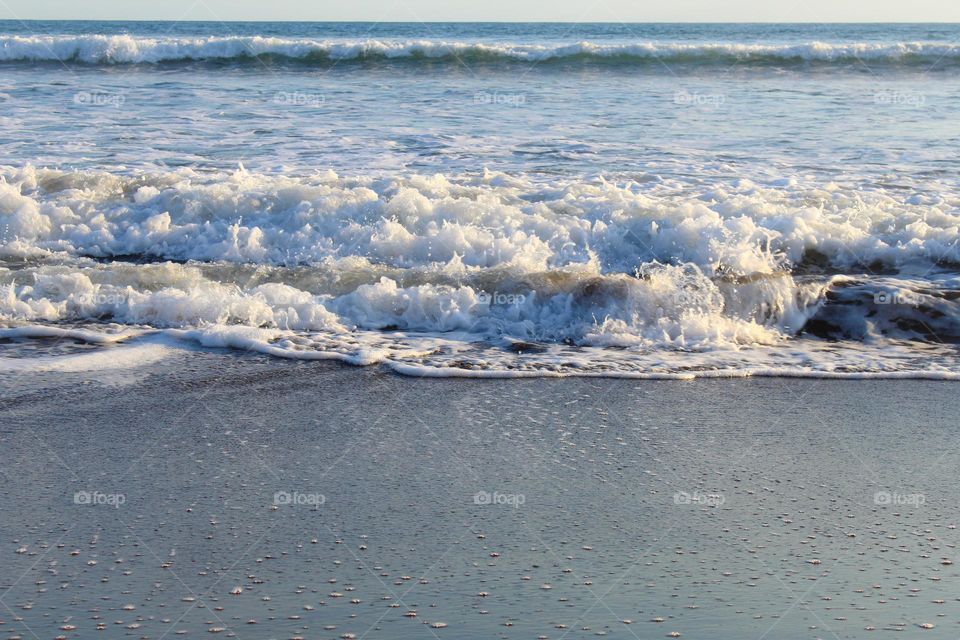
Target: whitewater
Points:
(469, 200)
(126, 49)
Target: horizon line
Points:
(651, 22)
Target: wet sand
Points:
(239, 496)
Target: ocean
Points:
(488, 200)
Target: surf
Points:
(96, 49)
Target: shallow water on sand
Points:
(728, 509)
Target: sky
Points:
(492, 10)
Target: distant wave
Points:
(125, 49)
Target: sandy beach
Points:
(254, 497)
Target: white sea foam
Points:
(674, 306)
(105, 362)
(458, 224)
(120, 49)
(493, 273)
(456, 356)
(83, 335)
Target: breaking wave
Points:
(492, 273)
(127, 49)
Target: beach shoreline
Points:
(726, 507)
(479, 330)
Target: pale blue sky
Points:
(493, 10)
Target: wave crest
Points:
(127, 49)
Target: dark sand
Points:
(783, 537)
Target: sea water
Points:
(489, 199)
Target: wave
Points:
(811, 360)
(492, 273)
(126, 49)
(663, 306)
(479, 223)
